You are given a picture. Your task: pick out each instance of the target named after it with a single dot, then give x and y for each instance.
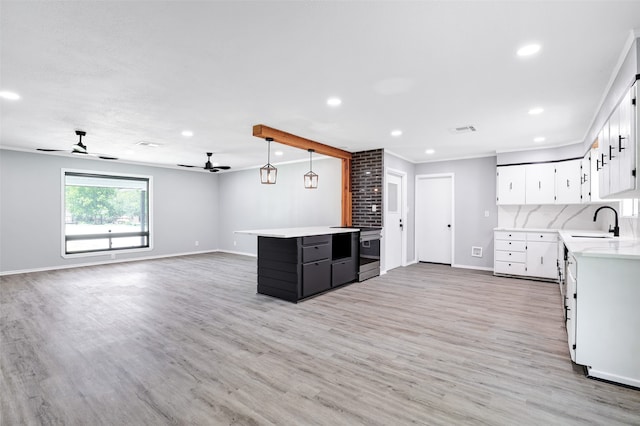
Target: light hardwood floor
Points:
(187, 340)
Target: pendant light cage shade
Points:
(268, 173)
(310, 178)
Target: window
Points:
(629, 207)
(105, 212)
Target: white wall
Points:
(475, 193)
(185, 209)
(245, 203)
(391, 161)
(541, 155)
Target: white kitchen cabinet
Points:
(603, 316)
(540, 183)
(510, 185)
(625, 145)
(542, 259)
(618, 151)
(570, 305)
(568, 182)
(526, 254)
(585, 178)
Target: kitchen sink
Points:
(586, 235)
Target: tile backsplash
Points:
(567, 216)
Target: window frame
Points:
(635, 208)
(106, 174)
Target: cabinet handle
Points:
(567, 183)
(585, 178)
(541, 260)
(611, 156)
(539, 185)
(598, 165)
(510, 186)
(541, 236)
(620, 147)
(602, 163)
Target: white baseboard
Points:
(110, 261)
(478, 268)
(241, 253)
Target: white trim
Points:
(453, 209)
(241, 253)
(403, 216)
(63, 213)
(479, 268)
(631, 38)
(386, 151)
(108, 262)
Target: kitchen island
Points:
(297, 263)
(601, 295)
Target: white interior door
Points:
(393, 222)
(434, 218)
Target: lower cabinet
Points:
(527, 254)
(296, 268)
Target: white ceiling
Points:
(133, 71)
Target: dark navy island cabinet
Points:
(296, 268)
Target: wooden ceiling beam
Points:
(262, 131)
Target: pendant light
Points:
(268, 173)
(310, 178)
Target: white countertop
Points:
(297, 232)
(591, 246)
(525, 229)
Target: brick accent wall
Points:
(367, 169)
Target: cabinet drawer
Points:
(317, 252)
(551, 237)
(510, 245)
(316, 277)
(513, 268)
(511, 236)
(343, 272)
(511, 256)
(316, 239)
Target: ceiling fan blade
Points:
(107, 157)
(49, 150)
(223, 167)
(186, 165)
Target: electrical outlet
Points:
(486, 213)
(113, 256)
(476, 251)
(197, 243)
(234, 243)
(374, 208)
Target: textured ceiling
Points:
(127, 72)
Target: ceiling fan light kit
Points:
(268, 173)
(79, 148)
(310, 178)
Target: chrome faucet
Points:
(616, 229)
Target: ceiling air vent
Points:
(463, 129)
(149, 144)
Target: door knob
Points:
(449, 226)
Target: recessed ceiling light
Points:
(334, 102)
(539, 139)
(529, 49)
(536, 111)
(279, 153)
(430, 151)
(187, 133)
(5, 94)
(396, 133)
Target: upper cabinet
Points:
(618, 150)
(510, 182)
(585, 178)
(541, 183)
(568, 182)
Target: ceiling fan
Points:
(208, 165)
(79, 148)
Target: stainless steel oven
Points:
(369, 264)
